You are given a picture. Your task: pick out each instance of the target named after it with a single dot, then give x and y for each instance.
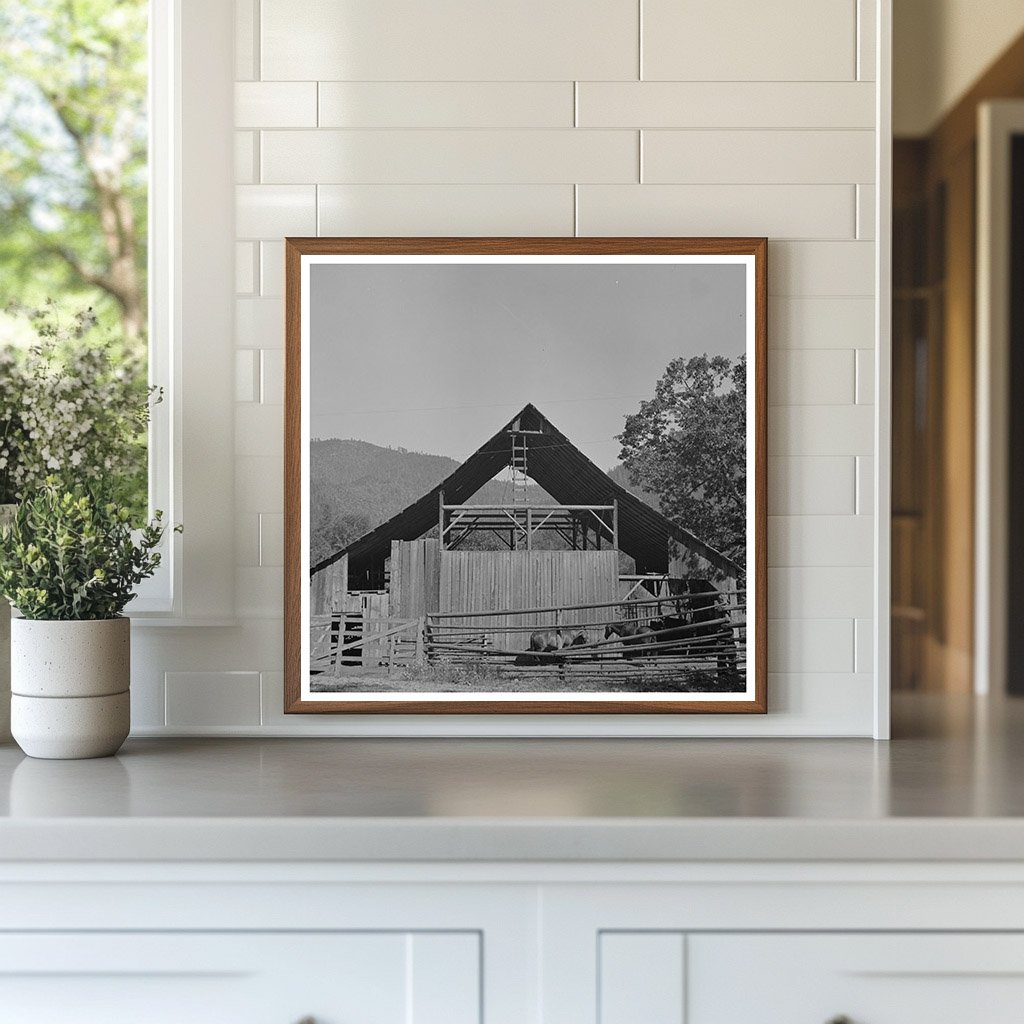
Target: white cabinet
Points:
(435, 978)
(672, 978)
(263, 944)
(241, 978)
(787, 944)
(511, 943)
(869, 979)
(641, 977)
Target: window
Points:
(177, 285)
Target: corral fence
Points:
(671, 636)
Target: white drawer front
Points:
(369, 978)
(865, 978)
(641, 977)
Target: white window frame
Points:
(191, 351)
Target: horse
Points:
(543, 642)
(547, 640)
(632, 632)
(629, 630)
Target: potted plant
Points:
(70, 405)
(69, 563)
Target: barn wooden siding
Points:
(494, 580)
(415, 577)
(328, 588)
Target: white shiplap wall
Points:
(555, 117)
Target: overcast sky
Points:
(435, 358)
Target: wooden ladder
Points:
(520, 479)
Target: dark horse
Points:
(632, 633)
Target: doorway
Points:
(954, 495)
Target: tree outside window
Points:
(73, 173)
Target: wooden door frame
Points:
(998, 121)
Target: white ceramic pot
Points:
(69, 683)
(6, 515)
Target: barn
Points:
(544, 565)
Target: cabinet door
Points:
(241, 978)
(862, 978)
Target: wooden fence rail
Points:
(443, 637)
(619, 603)
(449, 630)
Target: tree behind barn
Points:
(687, 445)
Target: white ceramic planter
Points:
(6, 515)
(69, 683)
(68, 727)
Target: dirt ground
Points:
(487, 677)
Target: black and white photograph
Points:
(526, 479)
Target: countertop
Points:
(949, 786)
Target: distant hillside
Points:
(355, 486)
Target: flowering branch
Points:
(69, 408)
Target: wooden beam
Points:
(536, 508)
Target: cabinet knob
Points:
(306, 1020)
(841, 1019)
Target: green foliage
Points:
(76, 408)
(687, 445)
(73, 155)
(70, 554)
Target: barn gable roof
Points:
(564, 472)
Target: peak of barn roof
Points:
(564, 472)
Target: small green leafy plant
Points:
(70, 554)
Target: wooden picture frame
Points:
(394, 621)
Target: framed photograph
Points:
(525, 475)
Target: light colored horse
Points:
(546, 641)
